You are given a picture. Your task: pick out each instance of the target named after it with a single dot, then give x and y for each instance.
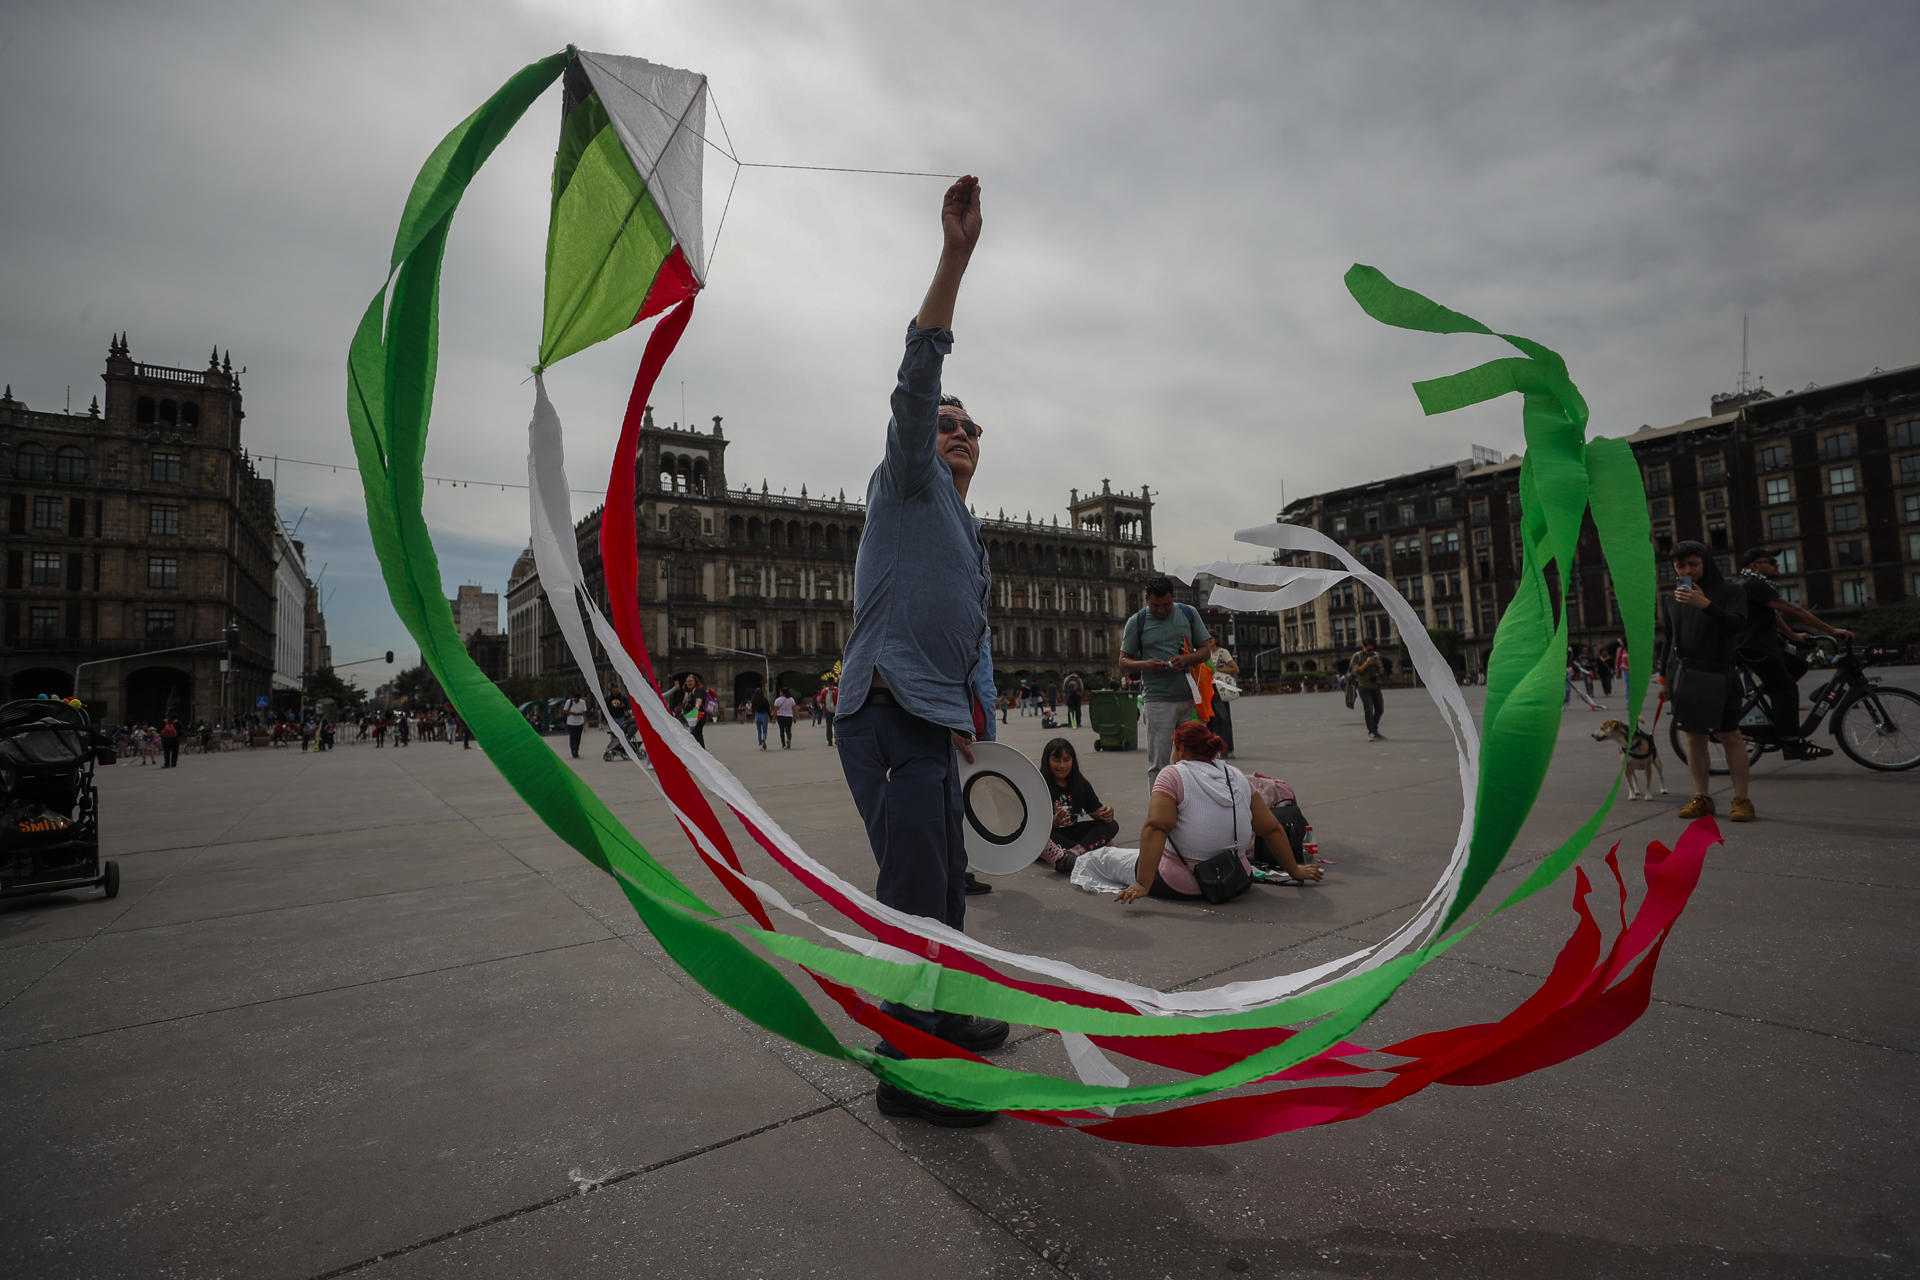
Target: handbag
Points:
(1224, 877)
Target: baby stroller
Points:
(49, 807)
(614, 750)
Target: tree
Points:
(416, 687)
(345, 694)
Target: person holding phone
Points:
(1706, 623)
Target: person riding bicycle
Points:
(1706, 623)
(1766, 656)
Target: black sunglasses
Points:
(953, 422)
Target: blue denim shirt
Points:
(921, 582)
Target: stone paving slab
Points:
(363, 1006)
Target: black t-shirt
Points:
(1712, 634)
(1078, 794)
(1763, 637)
(617, 703)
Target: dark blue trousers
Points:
(905, 779)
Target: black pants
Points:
(1073, 712)
(170, 752)
(1222, 722)
(786, 730)
(1089, 833)
(573, 738)
(1779, 674)
(1374, 706)
(829, 728)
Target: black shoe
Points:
(977, 1035)
(1066, 863)
(895, 1101)
(1805, 751)
(975, 886)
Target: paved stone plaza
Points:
(360, 1013)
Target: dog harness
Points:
(1640, 748)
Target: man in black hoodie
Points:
(1706, 625)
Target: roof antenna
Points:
(1747, 380)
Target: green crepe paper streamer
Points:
(390, 393)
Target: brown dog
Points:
(1641, 757)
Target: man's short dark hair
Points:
(1160, 586)
(952, 402)
(1369, 643)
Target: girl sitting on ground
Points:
(1080, 821)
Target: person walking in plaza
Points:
(1159, 644)
(576, 713)
(1364, 674)
(170, 744)
(830, 703)
(1225, 689)
(1770, 622)
(1074, 691)
(762, 712)
(1706, 624)
(918, 670)
(783, 709)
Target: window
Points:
(1483, 565)
(749, 633)
(162, 518)
(1717, 534)
(1853, 591)
(1661, 508)
(1366, 554)
(166, 467)
(1846, 516)
(683, 637)
(163, 572)
(1713, 469)
(787, 589)
(1850, 551)
(70, 465)
(1486, 622)
(1910, 508)
(1906, 433)
(1480, 511)
(1789, 591)
(1406, 513)
(1714, 500)
(1658, 479)
(1453, 539)
(1399, 547)
(1443, 507)
(1842, 480)
(1779, 489)
(30, 463)
(1835, 447)
(686, 580)
(1780, 525)
(159, 627)
(1436, 544)
(829, 637)
(1789, 560)
(1339, 526)
(1913, 546)
(1910, 469)
(46, 569)
(1482, 537)
(43, 622)
(1773, 458)
(46, 513)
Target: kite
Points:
(625, 245)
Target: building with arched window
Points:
(137, 527)
(745, 585)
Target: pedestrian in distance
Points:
(762, 712)
(576, 713)
(1770, 622)
(1364, 673)
(783, 709)
(170, 744)
(917, 679)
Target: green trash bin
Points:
(1115, 716)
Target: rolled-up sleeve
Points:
(984, 692)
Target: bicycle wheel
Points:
(1880, 728)
(1716, 754)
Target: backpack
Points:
(1286, 807)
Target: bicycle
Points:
(1878, 726)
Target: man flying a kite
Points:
(918, 671)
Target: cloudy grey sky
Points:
(1172, 195)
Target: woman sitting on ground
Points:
(1200, 806)
(1080, 821)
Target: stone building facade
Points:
(1827, 476)
(748, 587)
(139, 527)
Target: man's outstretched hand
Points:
(960, 215)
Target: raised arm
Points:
(960, 231)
